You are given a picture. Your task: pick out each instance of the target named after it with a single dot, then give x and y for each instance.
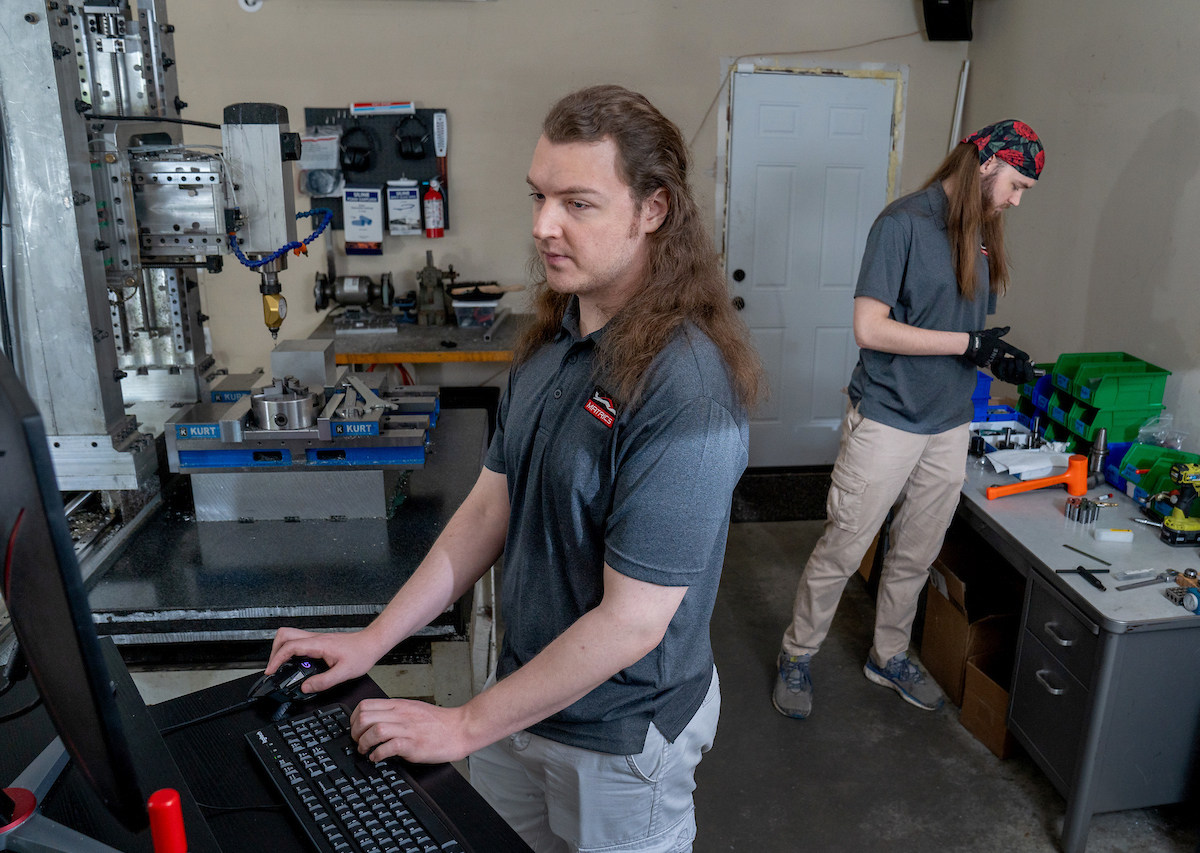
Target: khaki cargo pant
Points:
(875, 464)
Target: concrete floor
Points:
(865, 772)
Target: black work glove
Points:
(1007, 363)
(1015, 369)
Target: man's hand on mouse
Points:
(415, 731)
(349, 655)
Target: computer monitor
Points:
(44, 593)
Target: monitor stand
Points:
(29, 831)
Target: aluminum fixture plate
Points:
(180, 207)
(285, 495)
(83, 462)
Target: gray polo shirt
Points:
(646, 490)
(908, 266)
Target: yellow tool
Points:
(1178, 528)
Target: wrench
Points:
(1161, 577)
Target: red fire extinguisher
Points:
(434, 216)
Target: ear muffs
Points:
(357, 157)
(412, 134)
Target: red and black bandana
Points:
(1012, 141)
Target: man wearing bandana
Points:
(933, 266)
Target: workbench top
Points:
(412, 344)
(179, 580)
(1034, 527)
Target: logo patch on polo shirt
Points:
(601, 407)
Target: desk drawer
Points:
(1069, 638)
(1049, 706)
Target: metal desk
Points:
(412, 344)
(1106, 686)
(187, 592)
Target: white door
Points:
(808, 174)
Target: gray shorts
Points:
(563, 798)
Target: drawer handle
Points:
(1053, 691)
(1062, 641)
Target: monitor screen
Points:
(48, 606)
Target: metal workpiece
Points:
(310, 361)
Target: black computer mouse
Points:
(283, 685)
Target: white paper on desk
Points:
(1021, 462)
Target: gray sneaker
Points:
(793, 692)
(903, 676)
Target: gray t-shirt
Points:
(647, 490)
(908, 266)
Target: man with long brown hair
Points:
(608, 485)
(933, 266)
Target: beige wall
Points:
(1102, 247)
(497, 67)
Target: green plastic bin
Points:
(1059, 407)
(1121, 424)
(1110, 380)
(1068, 365)
(1129, 385)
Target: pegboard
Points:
(387, 164)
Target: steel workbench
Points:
(1105, 692)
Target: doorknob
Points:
(739, 275)
(739, 303)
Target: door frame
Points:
(898, 73)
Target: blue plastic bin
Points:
(1112, 471)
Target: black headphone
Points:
(358, 158)
(412, 144)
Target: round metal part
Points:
(284, 405)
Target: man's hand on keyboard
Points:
(415, 731)
(349, 655)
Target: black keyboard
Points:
(344, 801)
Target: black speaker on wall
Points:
(948, 20)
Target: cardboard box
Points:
(972, 608)
(404, 208)
(362, 216)
(985, 701)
